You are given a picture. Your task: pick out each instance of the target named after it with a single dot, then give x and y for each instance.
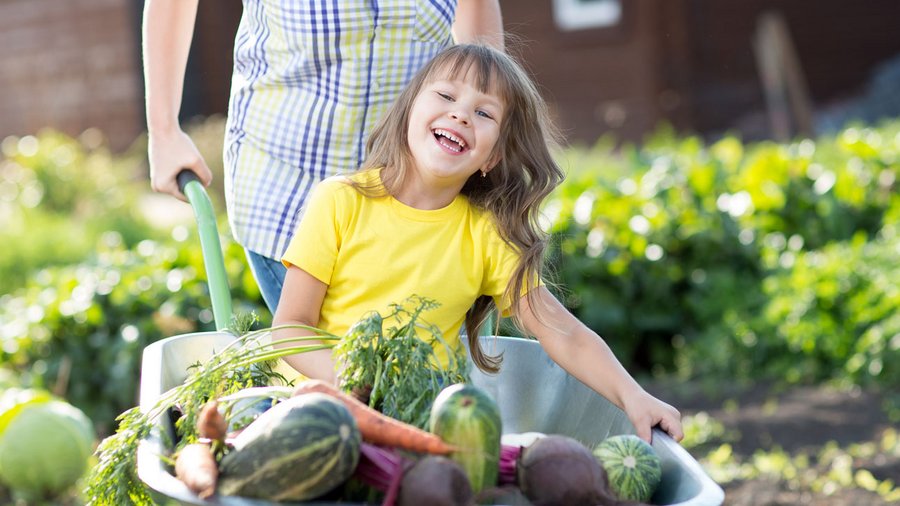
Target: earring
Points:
(483, 173)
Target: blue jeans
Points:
(269, 274)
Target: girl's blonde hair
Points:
(512, 191)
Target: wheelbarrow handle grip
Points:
(213, 259)
(184, 177)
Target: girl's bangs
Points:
(477, 67)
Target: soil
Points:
(798, 420)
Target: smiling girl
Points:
(446, 206)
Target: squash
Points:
(468, 418)
(300, 449)
(632, 466)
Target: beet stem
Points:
(507, 472)
(379, 468)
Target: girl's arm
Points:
(478, 21)
(584, 355)
(300, 304)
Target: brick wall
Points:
(75, 64)
(619, 79)
(70, 65)
(691, 62)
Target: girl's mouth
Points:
(449, 141)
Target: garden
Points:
(754, 286)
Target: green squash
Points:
(632, 466)
(298, 450)
(468, 418)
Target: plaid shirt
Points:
(310, 80)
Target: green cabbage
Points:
(45, 443)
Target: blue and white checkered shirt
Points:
(310, 80)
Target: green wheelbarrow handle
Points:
(189, 184)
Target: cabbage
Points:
(45, 443)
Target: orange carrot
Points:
(196, 467)
(379, 428)
(210, 423)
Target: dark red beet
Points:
(436, 481)
(558, 470)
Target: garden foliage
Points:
(58, 195)
(89, 282)
(724, 260)
(735, 260)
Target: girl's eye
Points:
(445, 96)
(484, 114)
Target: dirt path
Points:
(822, 423)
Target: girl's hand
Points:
(646, 411)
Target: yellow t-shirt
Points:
(372, 252)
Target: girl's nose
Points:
(460, 116)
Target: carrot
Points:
(378, 428)
(210, 423)
(196, 467)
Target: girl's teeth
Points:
(454, 148)
(450, 136)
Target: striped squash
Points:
(633, 468)
(466, 417)
(302, 448)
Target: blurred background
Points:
(606, 65)
(729, 222)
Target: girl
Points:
(446, 207)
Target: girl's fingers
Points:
(673, 427)
(656, 413)
(644, 432)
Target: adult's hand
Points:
(170, 153)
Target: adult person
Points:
(310, 80)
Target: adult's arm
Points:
(301, 304)
(479, 21)
(168, 27)
(586, 356)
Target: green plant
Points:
(826, 470)
(827, 314)
(673, 251)
(398, 368)
(236, 367)
(80, 329)
(58, 197)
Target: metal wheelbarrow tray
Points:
(533, 393)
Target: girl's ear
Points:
(492, 162)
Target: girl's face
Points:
(453, 129)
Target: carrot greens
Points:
(246, 362)
(398, 368)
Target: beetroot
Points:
(559, 470)
(436, 481)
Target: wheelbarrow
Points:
(533, 393)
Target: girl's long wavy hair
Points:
(512, 191)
